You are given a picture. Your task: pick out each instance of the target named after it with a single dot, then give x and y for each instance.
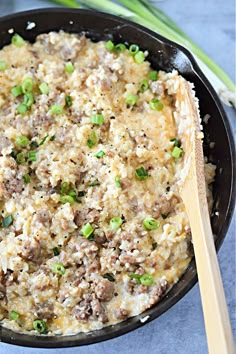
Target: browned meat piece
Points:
(121, 314)
(100, 237)
(86, 215)
(42, 216)
(12, 181)
(130, 258)
(31, 250)
(157, 87)
(45, 310)
(90, 306)
(157, 292)
(40, 119)
(98, 311)
(104, 290)
(125, 183)
(62, 135)
(4, 143)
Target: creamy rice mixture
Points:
(93, 229)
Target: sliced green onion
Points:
(131, 100)
(68, 100)
(153, 75)
(16, 91)
(32, 155)
(109, 46)
(43, 140)
(133, 49)
(26, 178)
(141, 174)
(56, 251)
(40, 326)
(87, 230)
(56, 109)
(35, 143)
(94, 184)
(28, 99)
(100, 154)
(7, 221)
(3, 65)
(81, 194)
(67, 199)
(59, 268)
(53, 137)
(69, 67)
(120, 48)
(154, 245)
(22, 141)
(117, 180)
(27, 85)
(44, 89)
(139, 57)
(20, 158)
(92, 139)
(64, 188)
(176, 142)
(146, 279)
(136, 277)
(177, 152)
(109, 277)
(73, 194)
(143, 86)
(164, 216)
(156, 105)
(17, 40)
(22, 108)
(97, 119)
(151, 224)
(115, 223)
(14, 315)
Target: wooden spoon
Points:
(193, 192)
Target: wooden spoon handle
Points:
(217, 322)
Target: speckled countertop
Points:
(181, 329)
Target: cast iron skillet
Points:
(165, 55)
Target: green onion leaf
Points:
(40, 326)
(68, 100)
(35, 143)
(22, 108)
(59, 268)
(119, 48)
(56, 251)
(20, 158)
(141, 174)
(44, 89)
(109, 277)
(81, 194)
(22, 141)
(139, 57)
(164, 216)
(97, 119)
(133, 49)
(43, 140)
(109, 46)
(3, 65)
(115, 223)
(156, 105)
(153, 75)
(53, 137)
(117, 180)
(28, 99)
(17, 40)
(136, 277)
(151, 224)
(176, 142)
(177, 152)
(87, 230)
(64, 188)
(67, 199)
(14, 315)
(56, 109)
(16, 91)
(94, 184)
(146, 279)
(143, 86)
(27, 85)
(32, 155)
(131, 100)
(7, 221)
(154, 245)
(100, 154)
(69, 67)
(92, 139)
(26, 178)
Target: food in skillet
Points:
(93, 229)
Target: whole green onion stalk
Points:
(147, 15)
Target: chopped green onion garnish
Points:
(27, 85)
(73, 194)
(177, 152)
(97, 119)
(94, 184)
(117, 180)
(144, 279)
(115, 223)
(154, 245)
(151, 224)
(43, 140)
(59, 268)
(141, 174)
(22, 108)
(81, 194)
(153, 75)
(87, 230)
(28, 99)
(16, 91)
(20, 158)
(92, 139)
(22, 141)
(26, 178)
(40, 326)
(56, 251)
(133, 49)
(35, 143)
(64, 188)
(176, 142)
(43, 87)
(164, 216)
(14, 315)
(7, 221)
(139, 57)
(156, 105)
(56, 109)
(120, 47)
(109, 46)
(131, 100)
(109, 277)
(17, 40)
(68, 100)
(53, 137)
(143, 86)
(3, 65)
(100, 154)
(32, 155)
(67, 199)
(135, 276)
(69, 67)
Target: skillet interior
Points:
(164, 55)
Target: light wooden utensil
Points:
(193, 192)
